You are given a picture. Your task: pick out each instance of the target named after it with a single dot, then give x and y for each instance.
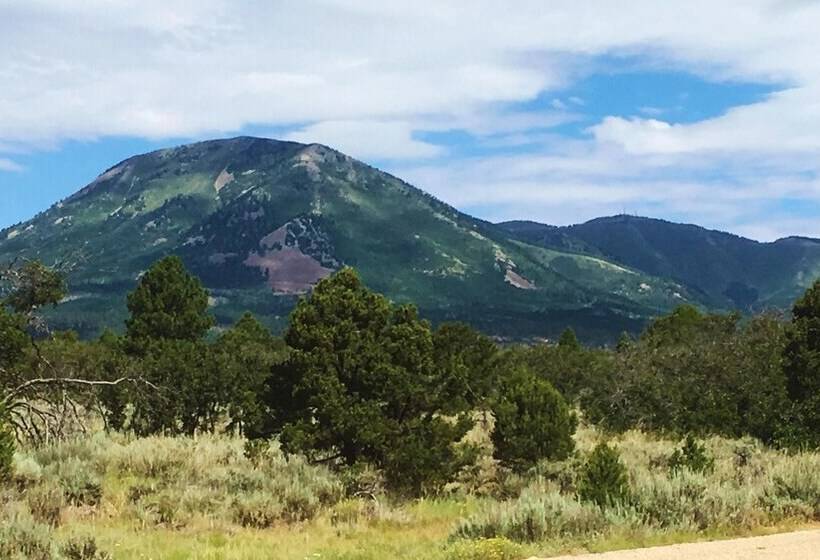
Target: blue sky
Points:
(699, 113)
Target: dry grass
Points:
(203, 498)
(749, 488)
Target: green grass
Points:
(420, 531)
(424, 535)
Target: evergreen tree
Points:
(13, 341)
(604, 480)
(802, 365)
(568, 340)
(466, 361)
(113, 363)
(189, 386)
(168, 304)
(693, 372)
(360, 384)
(569, 367)
(165, 332)
(693, 456)
(624, 343)
(532, 421)
(245, 354)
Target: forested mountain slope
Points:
(260, 221)
(725, 271)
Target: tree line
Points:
(357, 380)
(692, 372)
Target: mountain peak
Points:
(261, 220)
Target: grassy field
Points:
(207, 498)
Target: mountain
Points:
(260, 221)
(722, 270)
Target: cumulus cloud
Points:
(368, 139)
(580, 181)
(374, 79)
(787, 122)
(177, 67)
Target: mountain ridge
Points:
(730, 271)
(261, 220)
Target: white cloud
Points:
(778, 227)
(582, 181)
(9, 165)
(369, 77)
(368, 139)
(787, 122)
(178, 67)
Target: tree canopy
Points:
(360, 384)
(168, 303)
(532, 421)
(802, 364)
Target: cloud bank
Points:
(385, 81)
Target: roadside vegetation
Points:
(364, 432)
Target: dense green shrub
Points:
(360, 384)
(466, 362)
(113, 363)
(244, 356)
(532, 421)
(568, 366)
(692, 456)
(13, 337)
(802, 365)
(190, 388)
(694, 373)
(603, 479)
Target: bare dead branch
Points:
(20, 389)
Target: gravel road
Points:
(801, 545)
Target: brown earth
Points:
(288, 270)
(223, 179)
(800, 545)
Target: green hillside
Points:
(723, 270)
(260, 221)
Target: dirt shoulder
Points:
(800, 545)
